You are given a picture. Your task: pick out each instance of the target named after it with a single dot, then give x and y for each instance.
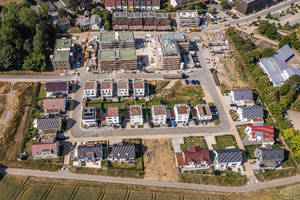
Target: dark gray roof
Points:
(251, 112)
(59, 86)
(284, 53)
(123, 150)
(242, 94)
(48, 123)
(230, 155)
(271, 154)
(91, 151)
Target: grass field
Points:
(224, 141)
(192, 141)
(19, 187)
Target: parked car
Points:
(207, 60)
(187, 82)
(197, 82)
(197, 64)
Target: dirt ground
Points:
(229, 76)
(159, 160)
(294, 116)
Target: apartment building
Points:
(159, 114)
(62, 56)
(136, 115)
(182, 113)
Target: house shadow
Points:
(74, 104)
(75, 88)
(71, 122)
(286, 155)
(67, 148)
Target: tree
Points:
(224, 4)
(269, 16)
(62, 12)
(295, 145)
(29, 19)
(296, 105)
(43, 11)
(288, 133)
(213, 11)
(267, 52)
(271, 32)
(284, 40)
(36, 62)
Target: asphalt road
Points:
(108, 179)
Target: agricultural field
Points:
(19, 187)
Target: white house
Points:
(90, 89)
(159, 114)
(96, 22)
(228, 158)
(136, 115)
(88, 117)
(123, 88)
(107, 89)
(242, 97)
(264, 134)
(182, 113)
(203, 112)
(139, 88)
(112, 116)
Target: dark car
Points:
(187, 82)
(197, 82)
(193, 82)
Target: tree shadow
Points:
(2, 171)
(74, 104)
(67, 148)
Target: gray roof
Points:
(251, 112)
(95, 19)
(59, 86)
(271, 154)
(230, 155)
(123, 150)
(276, 66)
(242, 94)
(48, 123)
(91, 151)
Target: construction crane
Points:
(84, 51)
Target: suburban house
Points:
(228, 158)
(264, 133)
(254, 114)
(48, 124)
(159, 114)
(203, 112)
(242, 97)
(54, 106)
(182, 113)
(123, 89)
(90, 89)
(91, 152)
(269, 158)
(96, 22)
(276, 66)
(45, 150)
(123, 152)
(89, 117)
(62, 23)
(57, 89)
(112, 116)
(136, 115)
(139, 89)
(193, 158)
(107, 89)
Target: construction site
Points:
(117, 51)
(188, 20)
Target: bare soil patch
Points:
(159, 160)
(294, 116)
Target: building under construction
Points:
(115, 59)
(187, 19)
(173, 45)
(117, 40)
(141, 21)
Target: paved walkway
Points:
(108, 179)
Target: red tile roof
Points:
(112, 111)
(206, 108)
(138, 84)
(159, 110)
(182, 109)
(135, 110)
(106, 85)
(54, 104)
(196, 155)
(267, 130)
(180, 160)
(90, 85)
(38, 147)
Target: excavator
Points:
(84, 51)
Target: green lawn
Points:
(241, 130)
(234, 115)
(192, 141)
(42, 92)
(249, 149)
(224, 141)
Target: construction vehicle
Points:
(192, 28)
(84, 51)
